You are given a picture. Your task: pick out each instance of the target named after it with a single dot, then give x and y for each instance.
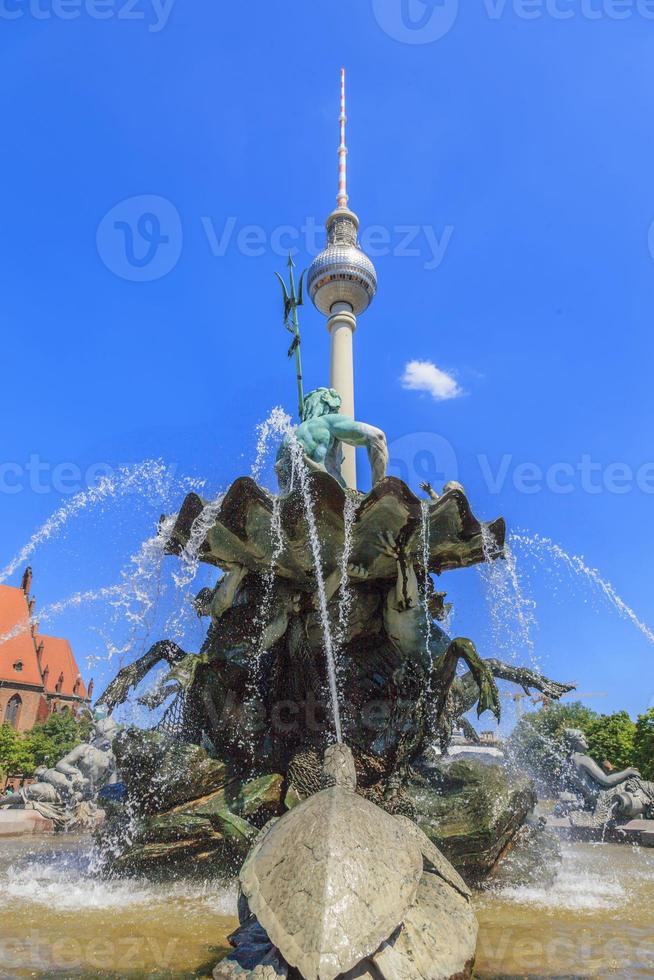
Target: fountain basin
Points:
(24, 823)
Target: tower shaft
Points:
(341, 325)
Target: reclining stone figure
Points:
(77, 777)
(625, 795)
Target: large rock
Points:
(173, 845)
(232, 808)
(160, 772)
(471, 810)
(170, 841)
(193, 812)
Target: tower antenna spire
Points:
(342, 283)
(342, 198)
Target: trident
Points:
(291, 322)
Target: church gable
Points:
(18, 659)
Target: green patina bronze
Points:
(292, 301)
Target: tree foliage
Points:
(644, 744)
(15, 756)
(53, 739)
(44, 745)
(611, 739)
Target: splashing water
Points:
(580, 886)
(133, 599)
(151, 478)
(277, 541)
(302, 474)
(511, 612)
(424, 536)
(186, 574)
(67, 882)
(279, 424)
(541, 548)
(140, 591)
(189, 555)
(141, 580)
(345, 595)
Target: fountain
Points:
(271, 691)
(303, 747)
(324, 631)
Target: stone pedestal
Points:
(23, 823)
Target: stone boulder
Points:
(471, 810)
(193, 812)
(160, 772)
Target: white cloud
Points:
(425, 376)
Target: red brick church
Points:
(38, 674)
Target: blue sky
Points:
(503, 152)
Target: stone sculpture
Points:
(605, 796)
(67, 792)
(337, 884)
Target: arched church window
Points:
(12, 714)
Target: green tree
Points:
(45, 745)
(15, 755)
(644, 744)
(51, 741)
(611, 738)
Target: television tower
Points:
(342, 283)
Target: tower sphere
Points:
(342, 273)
